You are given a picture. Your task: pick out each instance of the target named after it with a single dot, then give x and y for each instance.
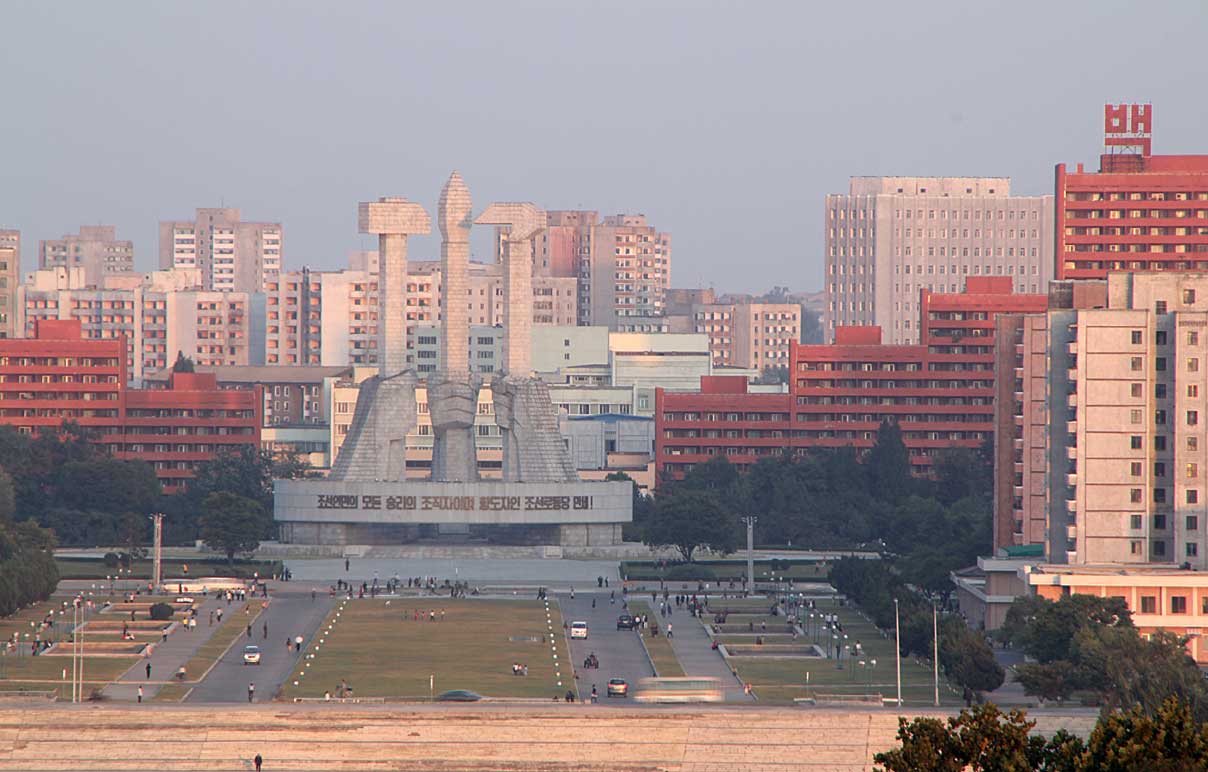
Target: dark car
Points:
(617, 687)
(626, 622)
(458, 695)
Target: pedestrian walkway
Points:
(693, 649)
(167, 656)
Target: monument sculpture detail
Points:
(367, 497)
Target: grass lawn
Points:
(382, 651)
(779, 681)
(172, 692)
(666, 664)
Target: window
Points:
(1159, 548)
(1160, 337)
(1137, 390)
(1149, 604)
(1193, 365)
(1193, 390)
(1193, 417)
(1159, 469)
(1134, 547)
(1136, 469)
(1178, 603)
(1193, 471)
(1136, 337)
(1159, 522)
(1136, 363)
(1134, 495)
(1193, 443)
(1188, 297)
(1193, 522)
(1160, 364)
(1193, 338)
(1193, 496)
(1159, 443)
(1134, 522)
(1135, 442)
(1159, 307)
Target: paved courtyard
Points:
(550, 573)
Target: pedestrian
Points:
(669, 630)
(265, 631)
(258, 761)
(251, 691)
(312, 596)
(298, 642)
(346, 565)
(140, 693)
(211, 617)
(219, 615)
(442, 615)
(148, 671)
(572, 593)
(249, 629)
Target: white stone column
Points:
(392, 304)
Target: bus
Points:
(689, 689)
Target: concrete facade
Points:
(96, 249)
(10, 272)
(319, 511)
(888, 238)
(231, 254)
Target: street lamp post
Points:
(897, 648)
(750, 521)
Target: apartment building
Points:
(10, 272)
(59, 375)
(96, 249)
(939, 392)
(888, 238)
(159, 315)
(1138, 212)
(231, 254)
(330, 317)
(747, 334)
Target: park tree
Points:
(231, 523)
(1170, 739)
(888, 464)
(1045, 630)
(981, 739)
(183, 364)
(8, 498)
(688, 520)
(246, 471)
(963, 473)
(1128, 670)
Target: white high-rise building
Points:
(888, 238)
(232, 255)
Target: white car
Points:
(251, 655)
(578, 629)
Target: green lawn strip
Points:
(804, 570)
(172, 692)
(95, 568)
(779, 678)
(46, 668)
(381, 650)
(234, 624)
(666, 664)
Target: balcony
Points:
(1071, 534)
(1071, 479)
(1072, 400)
(1072, 347)
(1071, 506)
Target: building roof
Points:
(611, 418)
(261, 373)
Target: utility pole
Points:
(935, 640)
(158, 541)
(897, 648)
(750, 520)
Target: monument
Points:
(368, 498)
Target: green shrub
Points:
(689, 571)
(162, 611)
(112, 560)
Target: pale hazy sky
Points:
(725, 123)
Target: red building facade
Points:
(940, 392)
(58, 376)
(1139, 212)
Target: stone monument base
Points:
(570, 514)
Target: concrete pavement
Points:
(166, 657)
(694, 650)
(619, 651)
(292, 612)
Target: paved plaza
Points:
(534, 572)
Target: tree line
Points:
(835, 499)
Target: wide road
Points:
(291, 613)
(620, 652)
